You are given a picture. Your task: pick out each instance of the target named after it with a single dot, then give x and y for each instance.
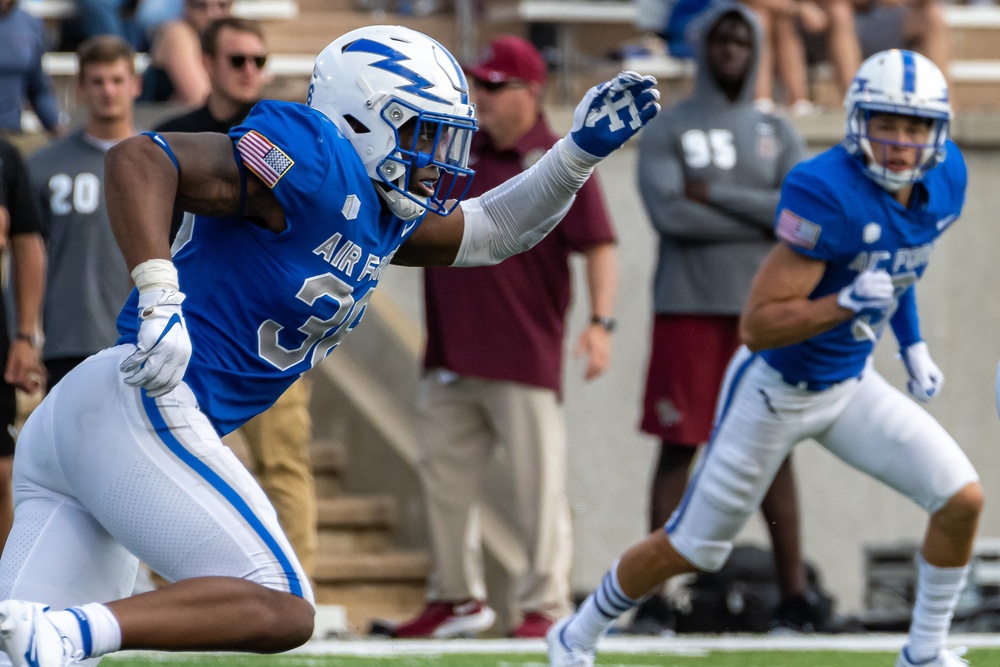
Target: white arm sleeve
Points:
(518, 213)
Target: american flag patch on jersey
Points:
(263, 158)
(795, 230)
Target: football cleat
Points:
(533, 626)
(945, 658)
(561, 654)
(30, 640)
(448, 619)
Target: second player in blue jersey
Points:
(857, 225)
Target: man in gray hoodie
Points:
(710, 169)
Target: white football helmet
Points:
(372, 81)
(904, 83)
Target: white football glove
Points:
(926, 379)
(164, 347)
(612, 112)
(871, 291)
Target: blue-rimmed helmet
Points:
(904, 83)
(374, 80)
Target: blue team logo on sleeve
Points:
(797, 231)
(263, 158)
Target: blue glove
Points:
(926, 379)
(164, 347)
(612, 112)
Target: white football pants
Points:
(865, 422)
(105, 476)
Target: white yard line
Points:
(683, 645)
(687, 645)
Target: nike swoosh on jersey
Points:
(406, 230)
(943, 223)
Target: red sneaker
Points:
(534, 625)
(448, 619)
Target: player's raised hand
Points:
(926, 379)
(871, 291)
(164, 347)
(612, 112)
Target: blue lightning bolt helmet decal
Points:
(394, 63)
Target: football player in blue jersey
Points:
(298, 212)
(856, 224)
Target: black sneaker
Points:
(653, 617)
(800, 614)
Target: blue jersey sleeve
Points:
(905, 321)
(810, 218)
(286, 146)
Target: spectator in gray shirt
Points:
(87, 279)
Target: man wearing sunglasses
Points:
(234, 55)
(494, 369)
(277, 439)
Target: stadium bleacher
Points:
(587, 32)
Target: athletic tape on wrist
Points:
(155, 274)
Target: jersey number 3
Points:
(322, 336)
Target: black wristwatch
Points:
(607, 322)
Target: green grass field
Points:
(976, 657)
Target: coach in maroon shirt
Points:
(494, 369)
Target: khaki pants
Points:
(460, 425)
(278, 442)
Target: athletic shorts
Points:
(865, 422)
(687, 362)
(105, 476)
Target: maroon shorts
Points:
(686, 365)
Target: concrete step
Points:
(327, 5)
(310, 32)
(263, 10)
(385, 586)
(356, 512)
(411, 567)
(364, 603)
(328, 462)
(974, 42)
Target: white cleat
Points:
(945, 658)
(29, 639)
(562, 655)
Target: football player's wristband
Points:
(155, 274)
